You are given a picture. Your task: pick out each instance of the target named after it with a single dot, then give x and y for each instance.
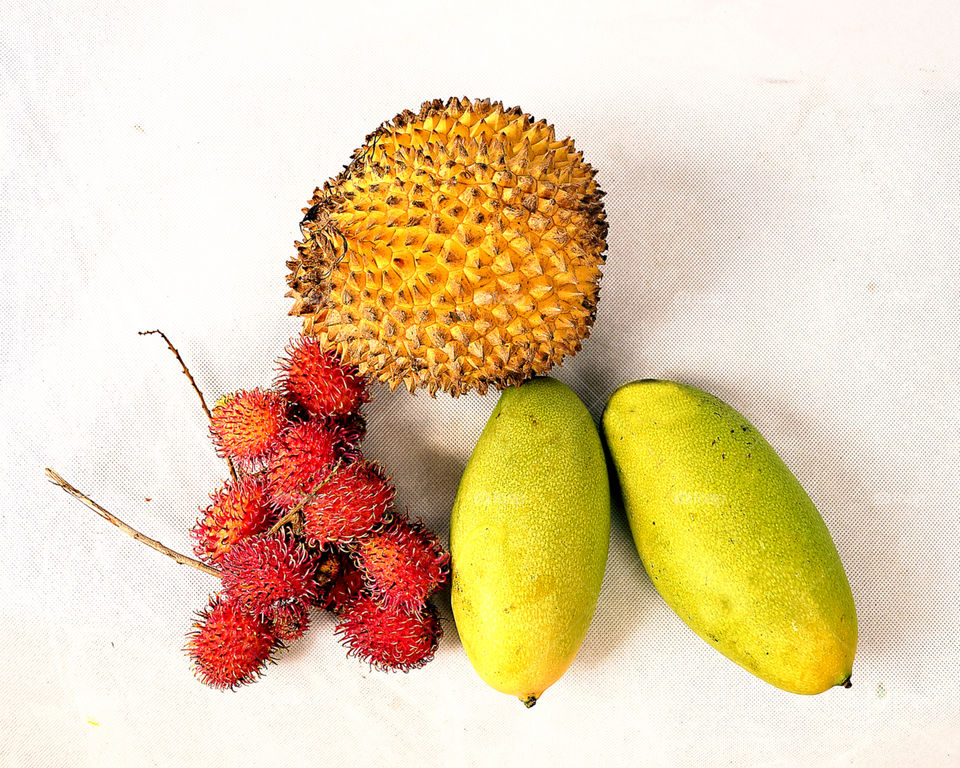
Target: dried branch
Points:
(186, 371)
(293, 513)
(110, 518)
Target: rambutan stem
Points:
(186, 371)
(110, 518)
(292, 514)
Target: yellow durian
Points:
(460, 248)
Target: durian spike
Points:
(456, 219)
(56, 479)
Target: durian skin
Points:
(460, 249)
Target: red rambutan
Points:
(350, 431)
(265, 573)
(228, 646)
(345, 587)
(317, 380)
(349, 504)
(246, 425)
(388, 638)
(402, 564)
(239, 510)
(289, 621)
(304, 458)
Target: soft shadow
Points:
(318, 635)
(677, 222)
(451, 637)
(405, 435)
(626, 595)
(676, 225)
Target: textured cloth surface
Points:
(783, 197)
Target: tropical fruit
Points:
(528, 538)
(460, 248)
(729, 537)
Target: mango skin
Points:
(529, 536)
(729, 537)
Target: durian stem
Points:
(292, 514)
(110, 518)
(186, 371)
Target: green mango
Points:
(529, 535)
(729, 537)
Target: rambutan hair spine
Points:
(228, 646)
(308, 452)
(246, 425)
(317, 380)
(354, 501)
(389, 639)
(238, 510)
(264, 574)
(402, 564)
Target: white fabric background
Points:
(783, 200)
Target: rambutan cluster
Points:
(309, 522)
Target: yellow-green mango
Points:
(529, 536)
(729, 537)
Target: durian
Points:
(460, 248)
